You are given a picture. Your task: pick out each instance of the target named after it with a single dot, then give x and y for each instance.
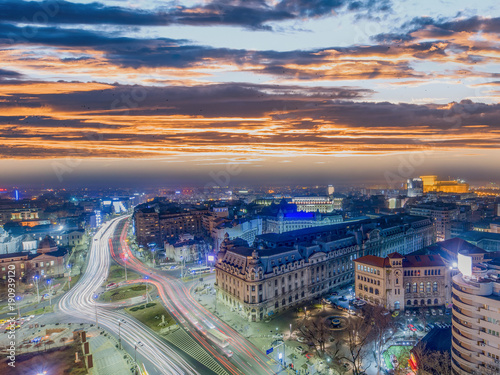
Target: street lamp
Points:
(49, 283)
(120, 321)
(136, 344)
(147, 287)
(37, 294)
(69, 276)
(125, 257)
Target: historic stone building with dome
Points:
(285, 270)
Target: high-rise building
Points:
(415, 187)
(442, 215)
(330, 190)
(476, 314)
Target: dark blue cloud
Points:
(246, 13)
(440, 28)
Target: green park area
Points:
(41, 310)
(402, 354)
(117, 274)
(125, 292)
(150, 314)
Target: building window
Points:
(421, 287)
(414, 287)
(435, 286)
(408, 302)
(436, 301)
(428, 287)
(429, 301)
(408, 287)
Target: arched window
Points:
(283, 302)
(429, 301)
(376, 292)
(371, 290)
(422, 302)
(422, 287)
(408, 287)
(276, 305)
(360, 286)
(435, 286)
(414, 287)
(415, 302)
(436, 301)
(408, 302)
(428, 287)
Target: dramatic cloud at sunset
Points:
(187, 86)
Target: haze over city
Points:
(291, 90)
(249, 187)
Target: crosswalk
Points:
(187, 344)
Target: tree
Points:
(315, 331)
(357, 340)
(432, 361)
(382, 328)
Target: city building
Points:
(330, 190)
(398, 282)
(415, 187)
(487, 241)
(442, 215)
(186, 249)
(432, 184)
(476, 314)
(319, 204)
(157, 222)
(284, 270)
(288, 221)
(49, 261)
(244, 229)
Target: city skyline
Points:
(318, 92)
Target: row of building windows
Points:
(368, 289)
(426, 272)
(414, 288)
(368, 280)
(422, 302)
(368, 269)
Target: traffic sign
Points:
(269, 351)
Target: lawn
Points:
(117, 274)
(402, 354)
(42, 310)
(124, 292)
(151, 316)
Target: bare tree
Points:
(488, 369)
(315, 331)
(357, 340)
(432, 361)
(382, 328)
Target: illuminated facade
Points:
(398, 282)
(476, 315)
(442, 215)
(431, 184)
(319, 204)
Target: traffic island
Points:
(154, 316)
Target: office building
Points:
(442, 215)
(415, 187)
(476, 314)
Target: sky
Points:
(248, 91)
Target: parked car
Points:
(407, 313)
(440, 312)
(433, 312)
(299, 349)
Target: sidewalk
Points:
(264, 334)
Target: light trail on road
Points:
(80, 302)
(178, 300)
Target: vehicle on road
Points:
(199, 270)
(218, 337)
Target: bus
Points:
(200, 270)
(218, 337)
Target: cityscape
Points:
(249, 187)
